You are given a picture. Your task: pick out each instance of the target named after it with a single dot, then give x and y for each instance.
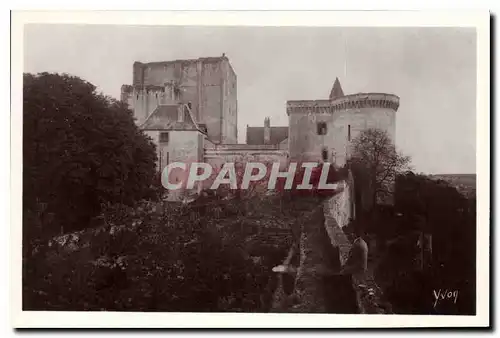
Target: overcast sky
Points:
(432, 70)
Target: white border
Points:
(477, 19)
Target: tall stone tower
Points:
(321, 130)
(208, 85)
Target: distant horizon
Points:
(432, 70)
(453, 174)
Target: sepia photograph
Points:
(280, 168)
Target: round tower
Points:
(321, 130)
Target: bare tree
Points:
(377, 162)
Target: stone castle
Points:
(190, 110)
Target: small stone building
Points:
(177, 136)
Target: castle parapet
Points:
(366, 100)
(360, 100)
(241, 146)
(129, 89)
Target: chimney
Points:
(138, 73)
(267, 130)
(180, 113)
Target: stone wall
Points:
(283, 144)
(315, 288)
(230, 104)
(345, 118)
(143, 101)
(242, 153)
(211, 99)
(338, 212)
(182, 146)
(340, 205)
(323, 248)
(209, 84)
(368, 296)
(304, 142)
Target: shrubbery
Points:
(436, 208)
(155, 257)
(80, 149)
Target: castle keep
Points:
(206, 85)
(189, 108)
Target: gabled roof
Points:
(336, 90)
(255, 135)
(165, 117)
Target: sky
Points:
(432, 70)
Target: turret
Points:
(322, 127)
(336, 91)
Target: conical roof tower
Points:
(336, 90)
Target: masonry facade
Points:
(321, 130)
(208, 85)
(190, 109)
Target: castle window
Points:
(349, 132)
(321, 128)
(203, 127)
(324, 154)
(164, 137)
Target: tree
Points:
(447, 217)
(438, 208)
(80, 149)
(376, 163)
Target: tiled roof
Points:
(165, 117)
(336, 90)
(255, 135)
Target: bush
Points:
(435, 208)
(80, 149)
(154, 258)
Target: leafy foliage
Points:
(80, 149)
(376, 163)
(158, 257)
(436, 208)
